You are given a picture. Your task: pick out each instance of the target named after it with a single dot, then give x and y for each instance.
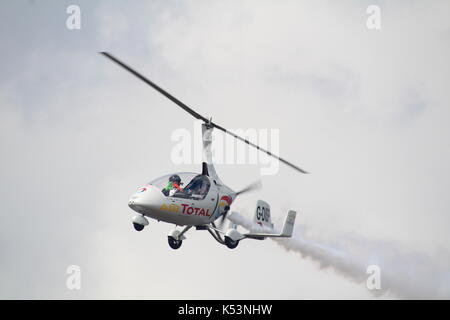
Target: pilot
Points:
(173, 185)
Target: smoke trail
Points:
(408, 275)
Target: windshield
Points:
(163, 181)
(186, 185)
(196, 189)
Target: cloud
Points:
(364, 111)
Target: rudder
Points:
(262, 214)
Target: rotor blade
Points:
(254, 186)
(154, 86)
(193, 113)
(259, 148)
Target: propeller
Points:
(254, 186)
(195, 114)
(251, 187)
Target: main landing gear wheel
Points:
(230, 243)
(174, 243)
(138, 227)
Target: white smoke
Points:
(408, 275)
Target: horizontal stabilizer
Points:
(288, 227)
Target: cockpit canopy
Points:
(193, 185)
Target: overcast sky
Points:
(365, 111)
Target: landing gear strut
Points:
(174, 243)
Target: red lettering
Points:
(197, 211)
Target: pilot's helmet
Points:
(175, 178)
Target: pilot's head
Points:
(175, 179)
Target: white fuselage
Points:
(149, 201)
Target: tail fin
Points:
(262, 214)
(288, 226)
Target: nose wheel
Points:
(139, 222)
(138, 227)
(174, 243)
